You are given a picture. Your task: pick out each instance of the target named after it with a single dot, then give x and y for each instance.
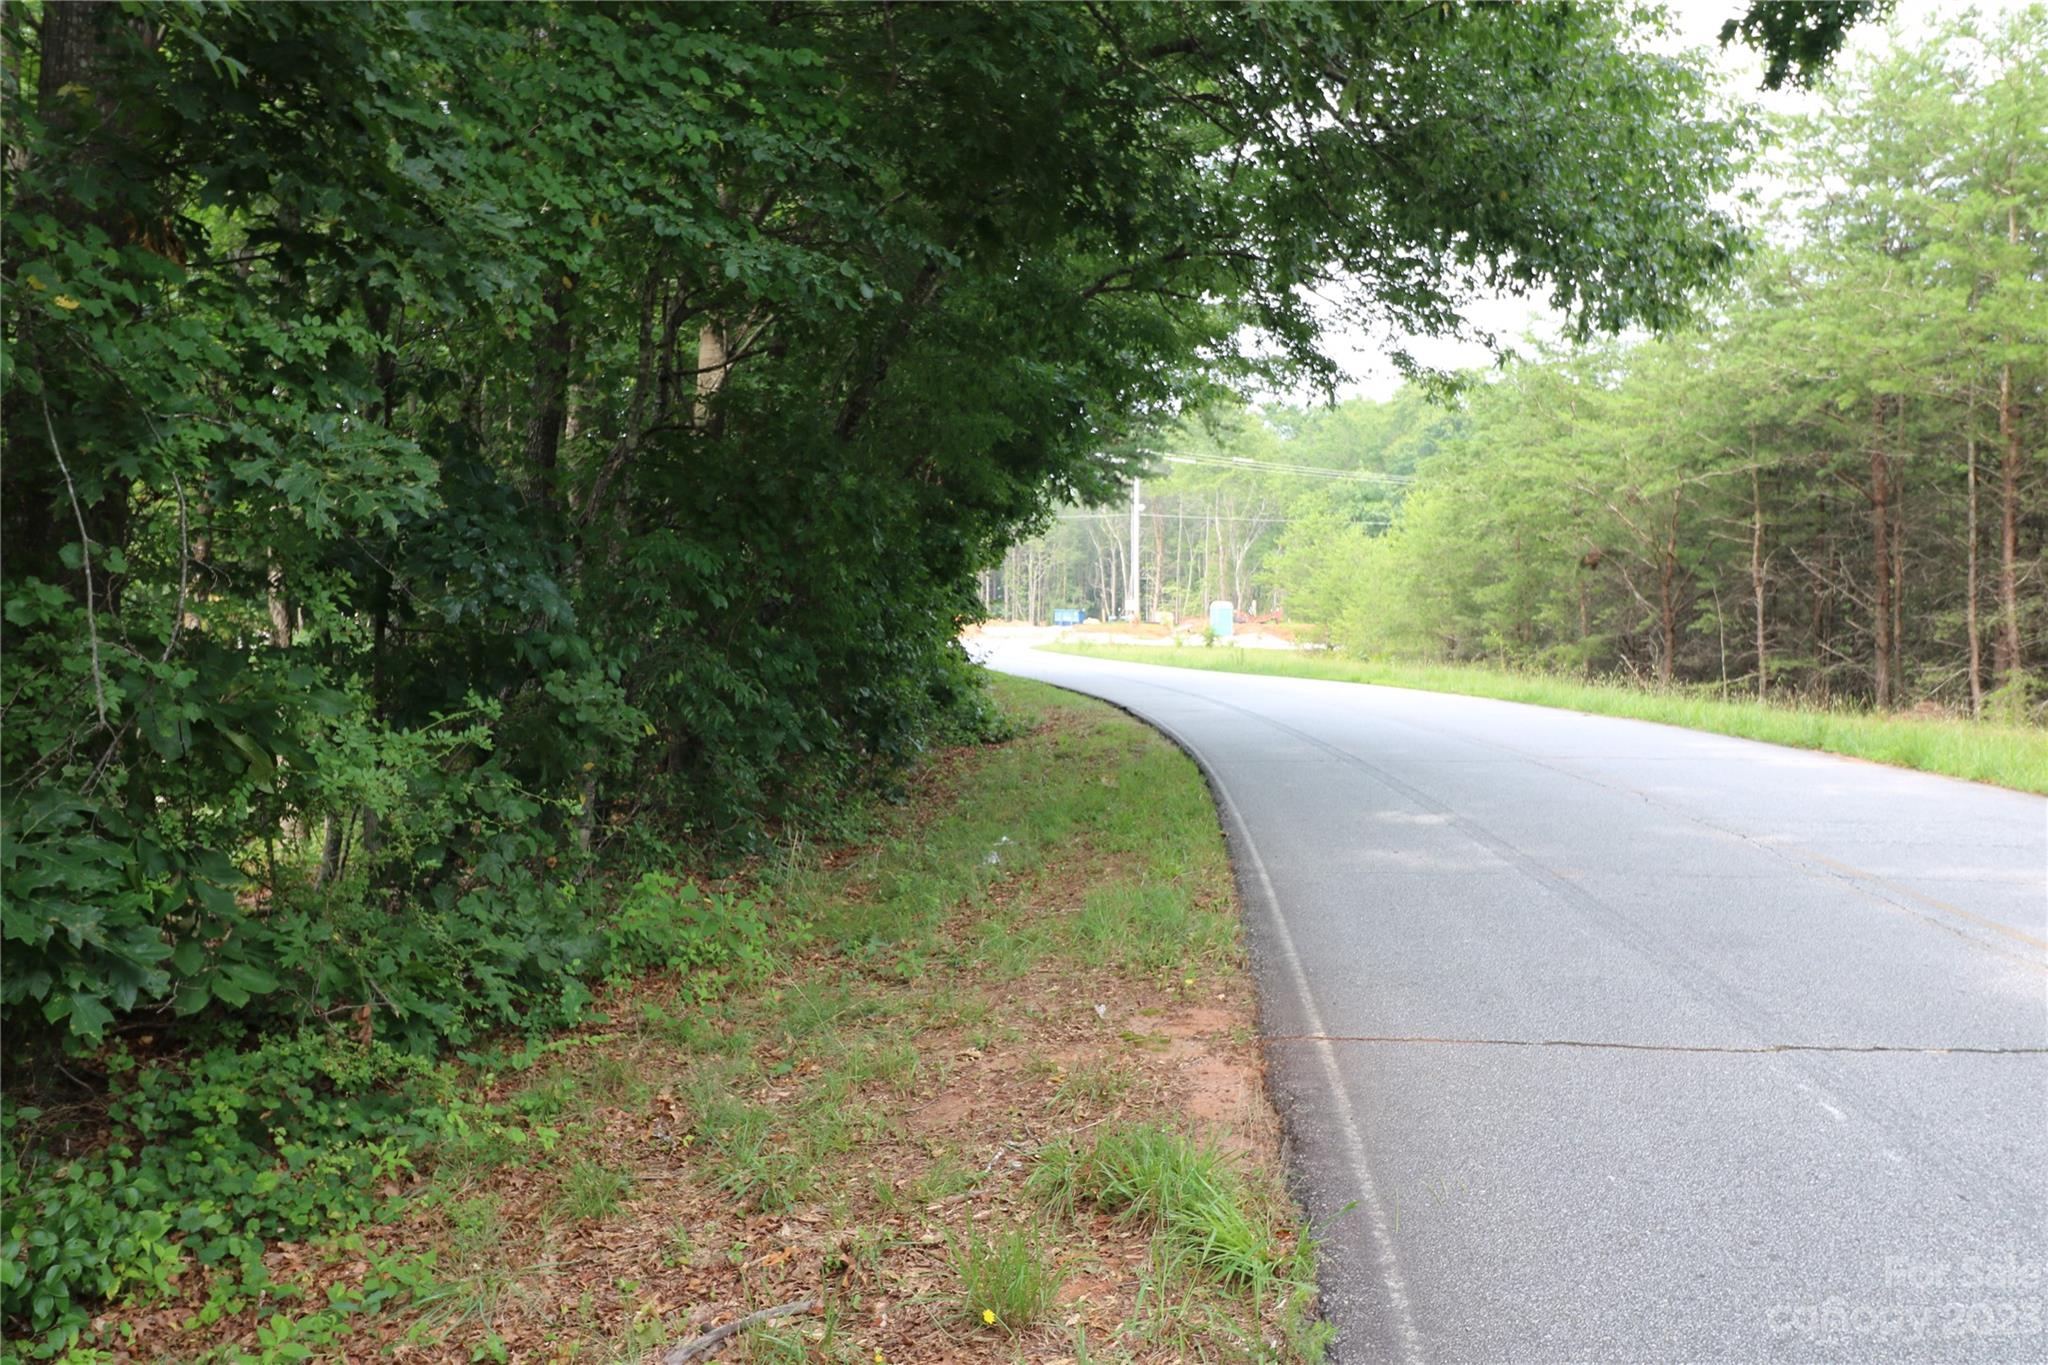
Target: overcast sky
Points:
(1699, 24)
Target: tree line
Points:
(1830, 489)
(1212, 526)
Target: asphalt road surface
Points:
(1603, 1040)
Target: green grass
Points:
(1209, 1227)
(1191, 1194)
(1007, 1281)
(2013, 756)
(591, 1190)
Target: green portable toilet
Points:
(1222, 619)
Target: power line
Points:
(1200, 516)
(1248, 465)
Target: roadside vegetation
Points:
(2008, 755)
(983, 1083)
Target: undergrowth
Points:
(769, 1056)
(209, 1155)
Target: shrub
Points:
(665, 921)
(210, 1160)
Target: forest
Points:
(468, 469)
(1828, 488)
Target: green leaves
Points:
(643, 385)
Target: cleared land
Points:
(2013, 756)
(997, 1098)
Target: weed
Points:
(476, 1280)
(1090, 1089)
(555, 1095)
(894, 1064)
(1189, 1192)
(1007, 948)
(693, 1029)
(1007, 1281)
(1054, 1181)
(1150, 927)
(744, 1161)
(946, 1177)
(591, 1190)
(615, 1079)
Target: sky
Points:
(1698, 23)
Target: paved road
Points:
(1624, 1042)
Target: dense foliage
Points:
(1831, 490)
(448, 443)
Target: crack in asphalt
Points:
(1696, 979)
(1739, 1049)
(1326, 1082)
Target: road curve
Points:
(1605, 1040)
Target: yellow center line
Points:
(1941, 905)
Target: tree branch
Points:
(92, 629)
(699, 1347)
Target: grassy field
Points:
(2009, 756)
(994, 1093)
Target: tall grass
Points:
(2013, 756)
(1186, 1190)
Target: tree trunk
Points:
(1585, 629)
(1756, 580)
(1970, 581)
(39, 514)
(548, 397)
(711, 372)
(2007, 660)
(280, 614)
(1898, 586)
(1819, 625)
(330, 853)
(1158, 562)
(1667, 603)
(1881, 525)
(70, 41)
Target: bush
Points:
(215, 1156)
(665, 921)
(210, 1160)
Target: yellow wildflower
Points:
(66, 302)
(988, 1315)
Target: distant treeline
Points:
(1832, 489)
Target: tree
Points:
(1813, 449)
(444, 440)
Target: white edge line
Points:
(1410, 1344)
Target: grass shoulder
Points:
(984, 1087)
(2013, 756)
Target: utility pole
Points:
(1137, 606)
